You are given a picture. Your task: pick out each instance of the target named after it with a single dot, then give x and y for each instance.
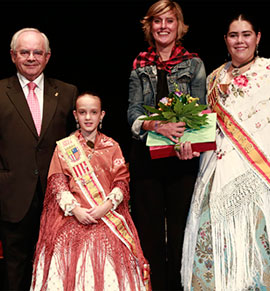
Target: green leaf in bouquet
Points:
(151, 109)
(202, 118)
(200, 107)
(194, 107)
(184, 99)
(178, 107)
(195, 121)
(189, 108)
(168, 115)
(154, 117)
(191, 123)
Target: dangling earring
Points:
(228, 57)
(257, 50)
(77, 124)
(100, 124)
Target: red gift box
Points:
(158, 152)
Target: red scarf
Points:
(151, 58)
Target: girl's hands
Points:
(101, 210)
(91, 215)
(83, 215)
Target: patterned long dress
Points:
(227, 235)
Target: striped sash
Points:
(92, 190)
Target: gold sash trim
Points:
(85, 177)
(240, 138)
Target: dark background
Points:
(94, 43)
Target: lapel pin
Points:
(56, 94)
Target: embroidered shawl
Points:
(59, 233)
(248, 128)
(240, 187)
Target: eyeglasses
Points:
(38, 54)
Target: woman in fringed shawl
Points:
(226, 245)
(87, 239)
(161, 189)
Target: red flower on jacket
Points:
(241, 81)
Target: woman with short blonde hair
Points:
(161, 189)
(159, 8)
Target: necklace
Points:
(236, 69)
(90, 144)
(88, 139)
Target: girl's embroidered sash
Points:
(85, 177)
(240, 138)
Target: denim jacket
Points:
(189, 75)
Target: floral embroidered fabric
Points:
(226, 243)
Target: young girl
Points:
(87, 239)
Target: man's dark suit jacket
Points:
(24, 156)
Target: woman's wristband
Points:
(156, 126)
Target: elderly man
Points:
(35, 111)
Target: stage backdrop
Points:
(95, 42)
